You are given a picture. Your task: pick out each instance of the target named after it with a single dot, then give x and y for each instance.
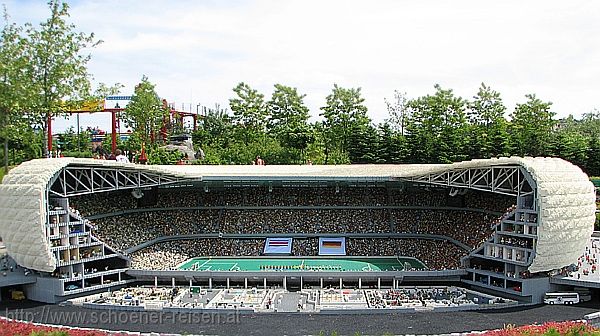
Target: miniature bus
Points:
(561, 298)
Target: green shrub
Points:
(76, 154)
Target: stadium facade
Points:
(554, 214)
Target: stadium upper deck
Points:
(557, 195)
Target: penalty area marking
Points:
(222, 266)
(206, 262)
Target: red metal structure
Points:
(176, 116)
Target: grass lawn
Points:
(2, 171)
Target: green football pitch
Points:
(301, 264)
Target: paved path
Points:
(311, 324)
(289, 302)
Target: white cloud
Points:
(197, 51)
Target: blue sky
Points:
(197, 51)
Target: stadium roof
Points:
(565, 198)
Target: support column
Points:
(155, 282)
(209, 283)
(113, 135)
(285, 283)
(49, 122)
(246, 283)
(301, 284)
(265, 283)
(321, 283)
(190, 283)
(227, 283)
(341, 285)
(173, 282)
(378, 283)
(79, 138)
(359, 283)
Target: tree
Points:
(103, 90)
(214, 134)
(569, 145)
(437, 127)
(488, 134)
(344, 111)
(285, 108)
(363, 144)
(589, 125)
(398, 111)
(392, 145)
(215, 128)
(288, 119)
(13, 90)
(249, 112)
(57, 65)
(531, 127)
(592, 165)
(145, 114)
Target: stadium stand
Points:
(462, 222)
